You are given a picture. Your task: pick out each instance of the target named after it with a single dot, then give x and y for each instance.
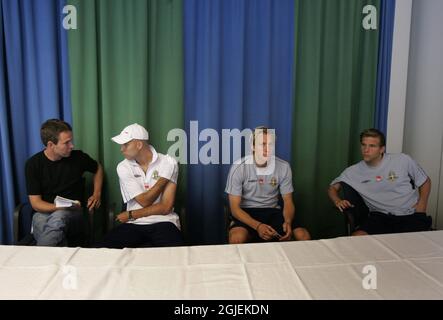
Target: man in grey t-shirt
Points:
(388, 185)
(254, 186)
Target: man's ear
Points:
(383, 149)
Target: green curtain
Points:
(126, 64)
(334, 99)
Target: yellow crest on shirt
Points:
(392, 176)
(273, 182)
(155, 175)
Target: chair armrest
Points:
(111, 216)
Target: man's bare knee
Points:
(238, 235)
(359, 233)
(301, 234)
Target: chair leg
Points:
(91, 227)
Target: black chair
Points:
(22, 220)
(357, 214)
(23, 214)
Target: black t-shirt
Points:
(58, 178)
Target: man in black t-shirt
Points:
(57, 171)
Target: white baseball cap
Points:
(133, 131)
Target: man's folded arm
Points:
(163, 207)
(39, 205)
(147, 198)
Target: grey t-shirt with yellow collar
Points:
(257, 188)
(387, 187)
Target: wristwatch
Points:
(130, 217)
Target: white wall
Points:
(399, 76)
(423, 127)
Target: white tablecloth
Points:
(407, 266)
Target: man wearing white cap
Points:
(148, 182)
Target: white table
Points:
(407, 266)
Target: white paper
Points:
(61, 202)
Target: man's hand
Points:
(122, 217)
(333, 195)
(93, 202)
(266, 232)
(343, 204)
(288, 232)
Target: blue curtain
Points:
(238, 74)
(34, 86)
(6, 190)
(387, 15)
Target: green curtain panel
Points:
(126, 65)
(334, 99)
